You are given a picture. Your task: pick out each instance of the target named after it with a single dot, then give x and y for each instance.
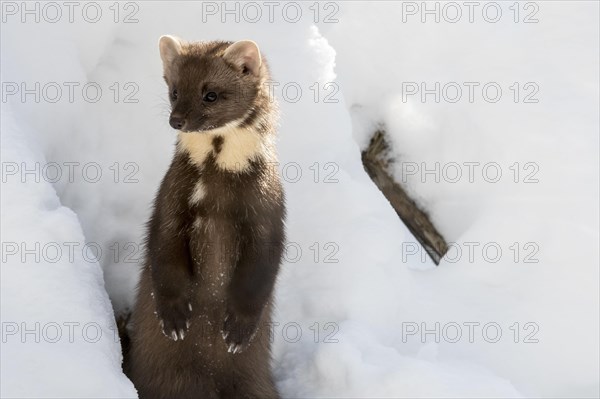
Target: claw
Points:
(237, 349)
(181, 334)
(230, 348)
(187, 324)
(190, 306)
(173, 335)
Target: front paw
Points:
(174, 316)
(239, 330)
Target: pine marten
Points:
(215, 239)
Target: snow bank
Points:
(541, 211)
(59, 336)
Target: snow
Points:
(58, 329)
(367, 308)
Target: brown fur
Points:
(214, 241)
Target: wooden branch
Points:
(376, 163)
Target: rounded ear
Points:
(170, 48)
(245, 55)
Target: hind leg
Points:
(249, 375)
(249, 388)
(174, 384)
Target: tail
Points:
(123, 320)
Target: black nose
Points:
(177, 121)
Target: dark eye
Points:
(210, 97)
(174, 94)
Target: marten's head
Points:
(213, 84)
